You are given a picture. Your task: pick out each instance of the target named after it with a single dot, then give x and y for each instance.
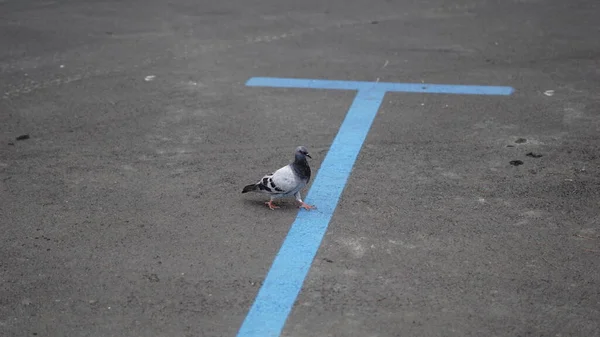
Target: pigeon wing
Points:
(282, 181)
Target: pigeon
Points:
(286, 181)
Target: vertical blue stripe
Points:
(278, 293)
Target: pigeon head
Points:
(302, 152)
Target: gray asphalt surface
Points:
(121, 215)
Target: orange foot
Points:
(271, 205)
(306, 206)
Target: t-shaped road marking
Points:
(284, 280)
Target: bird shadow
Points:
(284, 206)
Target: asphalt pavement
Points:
(127, 132)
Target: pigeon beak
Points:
(308, 155)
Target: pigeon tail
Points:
(250, 188)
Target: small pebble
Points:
(153, 278)
(516, 162)
(534, 155)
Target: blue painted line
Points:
(381, 86)
(284, 280)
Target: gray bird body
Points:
(286, 181)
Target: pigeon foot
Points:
(306, 206)
(271, 205)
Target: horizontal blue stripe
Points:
(278, 293)
(380, 86)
